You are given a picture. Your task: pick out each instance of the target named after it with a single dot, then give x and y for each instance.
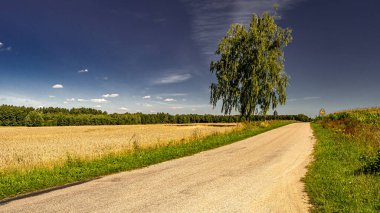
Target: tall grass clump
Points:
(345, 175)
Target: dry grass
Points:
(24, 148)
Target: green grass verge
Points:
(333, 181)
(17, 182)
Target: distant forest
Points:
(54, 116)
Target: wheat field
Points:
(25, 147)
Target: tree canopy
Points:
(28, 116)
(250, 69)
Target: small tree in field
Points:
(250, 68)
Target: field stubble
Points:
(23, 148)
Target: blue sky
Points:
(154, 56)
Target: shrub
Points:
(372, 165)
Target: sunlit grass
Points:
(343, 177)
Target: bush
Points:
(372, 165)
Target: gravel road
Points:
(259, 174)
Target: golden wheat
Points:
(23, 147)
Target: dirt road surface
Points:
(259, 174)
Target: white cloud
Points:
(176, 107)
(147, 105)
(81, 100)
(105, 78)
(124, 108)
(159, 98)
(57, 86)
(97, 106)
(100, 100)
(70, 99)
(1, 44)
(176, 78)
(114, 95)
(170, 100)
(51, 96)
(65, 102)
(19, 100)
(146, 97)
(83, 71)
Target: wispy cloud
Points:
(147, 105)
(51, 96)
(311, 98)
(99, 100)
(83, 71)
(146, 97)
(159, 20)
(114, 95)
(57, 86)
(169, 100)
(94, 100)
(171, 94)
(98, 106)
(303, 99)
(124, 108)
(4, 48)
(174, 78)
(176, 107)
(15, 99)
(212, 18)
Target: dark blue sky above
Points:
(154, 56)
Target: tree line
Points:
(54, 116)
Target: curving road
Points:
(259, 174)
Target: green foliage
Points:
(367, 116)
(250, 68)
(372, 164)
(34, 118)
(17, 116)
(345, 175)
(13, 116)
(303, 118)
(18, 182)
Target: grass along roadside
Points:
(334, 182)
(19, 182)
